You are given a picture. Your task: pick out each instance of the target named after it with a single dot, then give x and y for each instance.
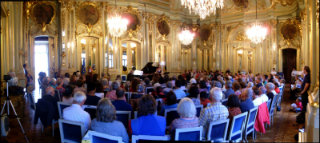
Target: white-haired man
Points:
(75, 111)
(215, 112)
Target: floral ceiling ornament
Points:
(203, 8)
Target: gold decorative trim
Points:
(290, 29)
(163, 18)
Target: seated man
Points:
(92, 99)
(120, 104)
(178, 90)
(229, 89)
(260, 95)
(215, 112)
(46, 108)
(75, 111)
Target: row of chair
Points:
(241, 126)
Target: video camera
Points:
(6, 77)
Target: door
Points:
(289, 62)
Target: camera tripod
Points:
(9, 104)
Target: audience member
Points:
(178, 91)
(106, 122)
(170, 102)
(120, 104)
(246, 100)
(187, 112)
(112, 94)
(215, 112)
(229, 89)
(148, 123)
(91, 98)
(75, 112)
(233, 105)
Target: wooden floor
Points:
(283, 129)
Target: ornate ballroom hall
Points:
(164, 59)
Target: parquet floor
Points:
(283, 129)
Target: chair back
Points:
(124, 117)
(135, 95)
(127, 95)
(57, 94)
(136, 138)
(237, 126)
(61, 106)
(269, 104)
(149, 89)
(92, 110)
(135, 114)
(188, 134)
(96, 137)
(199, 108)
(273, 104)
(252, 114)
(218, 131)
(71, 131)
(170, 115)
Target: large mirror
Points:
(244, 60)
(130, 53)
(88, 47)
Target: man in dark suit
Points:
(120, 104)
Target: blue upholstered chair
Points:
(91, 110)
(70, 131)
(188, 134)
(136, 138)
(249, 127)
(237, 127)
(217, 131)
(61, 106)
(170, 115)
(96, 137)
(273, 107)
(199, 108)
(124, 117)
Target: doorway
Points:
(289, 62)
(41, 61)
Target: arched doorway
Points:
(289, 62)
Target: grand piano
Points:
(149, 69)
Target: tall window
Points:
(124, 58)
(110, 60)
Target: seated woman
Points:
(106, 122)
(233, 106)
(194, 94)
(246, 100)
(236, 88)
(67, 95)
(260, 95)
(204, 99)
(99, 90)
(148, 123)
(112, 94)
(170, 102)
(187, 111)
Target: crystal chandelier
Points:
(186, 37)
(116, 24)
(257, 32)
(203, 8)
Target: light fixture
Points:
(257, 32)
(240, 52)
(63, 33)
(274, 46)
(83, 41)
(186, 37)
(116, 24)
(133, 45)
(203, 8)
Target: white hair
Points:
(79, 97)
(216, 94)
(186, 108)
(250, 84)
(66, 81)
(270, 86)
